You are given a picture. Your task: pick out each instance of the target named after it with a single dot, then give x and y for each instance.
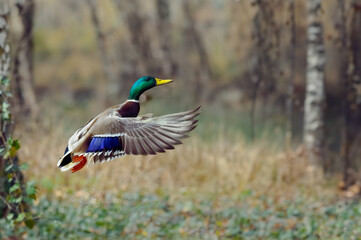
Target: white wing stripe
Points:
(111, 135)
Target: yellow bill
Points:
(162, 81)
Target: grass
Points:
(211, 161)
(244, 216)
(218, 185)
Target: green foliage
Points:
(4, 94)
(18, 199)
(15, 197)
(12, 146)
(136, 216)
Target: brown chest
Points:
(129, 109)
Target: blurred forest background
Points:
(275, 155)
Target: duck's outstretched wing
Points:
(154, 135)
(141, 135)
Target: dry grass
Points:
(226, 166)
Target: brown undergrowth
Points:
(227, 165)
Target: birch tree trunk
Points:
(4, 45)
(8, 176)
(5, 61)
(313, 135)
(4, 74)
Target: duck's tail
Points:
(75, 164)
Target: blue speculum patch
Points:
(98, 144)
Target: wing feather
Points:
(150, 135)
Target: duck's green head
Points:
(143, 84)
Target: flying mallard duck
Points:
(119, 131)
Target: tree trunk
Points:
(345, 86)
(140, 37)
(290, 90)
(23, 64)
(4, 75)
(110, 84)
(10, 173)
(204, 73)
(355, 47)
(5, 61)
(168, 63)
(313, 135)
(266, 35)
(351, 77)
